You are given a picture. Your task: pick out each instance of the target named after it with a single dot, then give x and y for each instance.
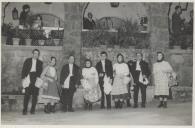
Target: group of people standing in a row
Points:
(99, 82)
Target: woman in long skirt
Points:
(161, 72)
(92, 91)
(121, 73)
(50, 95)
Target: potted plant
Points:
(38, 35)
(57, 35)
(26, 35)
(4, 30)
(127, 33)
(15, 36)
(28, 39)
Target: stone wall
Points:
(12, 60)
(72, 29)
(158, 21)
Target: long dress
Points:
(50, 93)
(160, 73)
(92, 93)
(119, 90)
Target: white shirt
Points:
(67, 81)
(33, 68)
(70, 69)
(103, 65)
(138, 68)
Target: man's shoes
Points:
(24, 112)
(70, 110)
(46, 109)
(165, 104)
(53, 108)
(116, 104)
(143, 105)
(109, 107)
(135, 106)
(120, 104)
(102, 107)
(64, 110)
(32, 112)
(128, 103)
(161, 104)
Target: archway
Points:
(127, 19)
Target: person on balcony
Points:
(177, 25)
(37, 23)
(88, 22)
(25, 16)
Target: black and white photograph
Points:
(96, 63)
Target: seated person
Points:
(89, 23)
(37, 23)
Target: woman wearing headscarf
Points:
(50, 96)
(162, 71)
(90, 80)
(121, 79)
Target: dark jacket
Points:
(177, 23)
(74, 80)
(27, 67)
(87, 24)
(108, 68)
(143, 65)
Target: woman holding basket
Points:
(121, 80)
(50, 96)
(89, 82)
(162, 72)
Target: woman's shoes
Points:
(49, 108)
(117, 104)
(86, 106)
(120, 104)
(53, 108)
(162, 104)
(165, 104)
(90, 107)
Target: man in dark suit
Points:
(69, 79)
(33, 68)
(137, 68)
(104, 67)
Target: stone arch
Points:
(83, 11)
(138, 11)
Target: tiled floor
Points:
(175, 114)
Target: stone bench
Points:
(182, 94)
